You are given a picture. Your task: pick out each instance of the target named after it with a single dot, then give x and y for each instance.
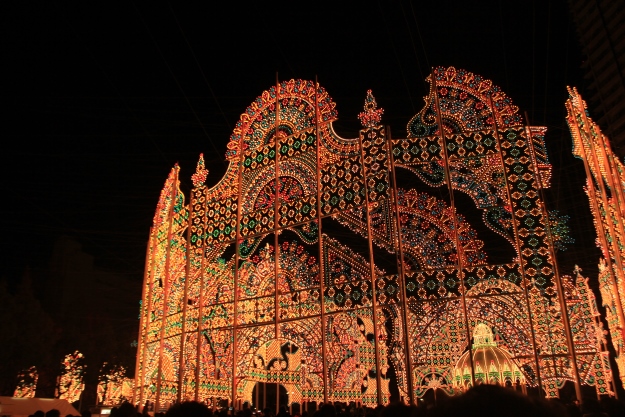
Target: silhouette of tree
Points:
(27, 336)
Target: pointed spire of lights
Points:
(372, 115)
(200, 173)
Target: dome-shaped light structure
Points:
(492, 364)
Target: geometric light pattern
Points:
(605, 187)
(345, 270)
(27, 383)
(113, 386)
(70, 384)
(594, 364)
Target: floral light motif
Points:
(467, 101)
(372, 115)
(429, 228)
(560, 230)
(199, 177)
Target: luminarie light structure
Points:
(605, 186)
(70, 385)
(113, 386)
(333, 269)
(27, 383)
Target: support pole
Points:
(320, 243)
(183, 332)
(373, 274)
(401, 272)
(166, 283)
(276, 216)
(146, 301)
(235, 288)
(200, 312)
(459, 250)
(276, 229)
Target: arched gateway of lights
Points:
(346, 269)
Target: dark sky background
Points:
(101, 100)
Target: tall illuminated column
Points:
(459, 251)
(276, 227)
(401, 273)
(276, 220)
(521, 265)
(144, 320)
(182, 361)
(604, 158)
(240, 157)
(367, 213)
(200, 310)
(166, 282)
(195, 249)
(558, 278)
(549, 355)
(605, 192)
(320, 244)
(153, 304)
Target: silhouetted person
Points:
(592, 408)
(612, 406)
(53, 413)
(126, 410)
(326, 410)
(494, 401)
(397, 410)
(189, 409)
(283, 412)
(246, 412)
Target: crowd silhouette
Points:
(481, 400)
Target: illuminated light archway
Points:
(308, 243)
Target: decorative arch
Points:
(275, 361)
(428, 235)
(465, 103)
(498, 304)
(296, 181)
(296, 100)
(417, 283)
(297, 270)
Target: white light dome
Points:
(491, 364)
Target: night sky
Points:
(101, 100)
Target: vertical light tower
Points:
(605, 183)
